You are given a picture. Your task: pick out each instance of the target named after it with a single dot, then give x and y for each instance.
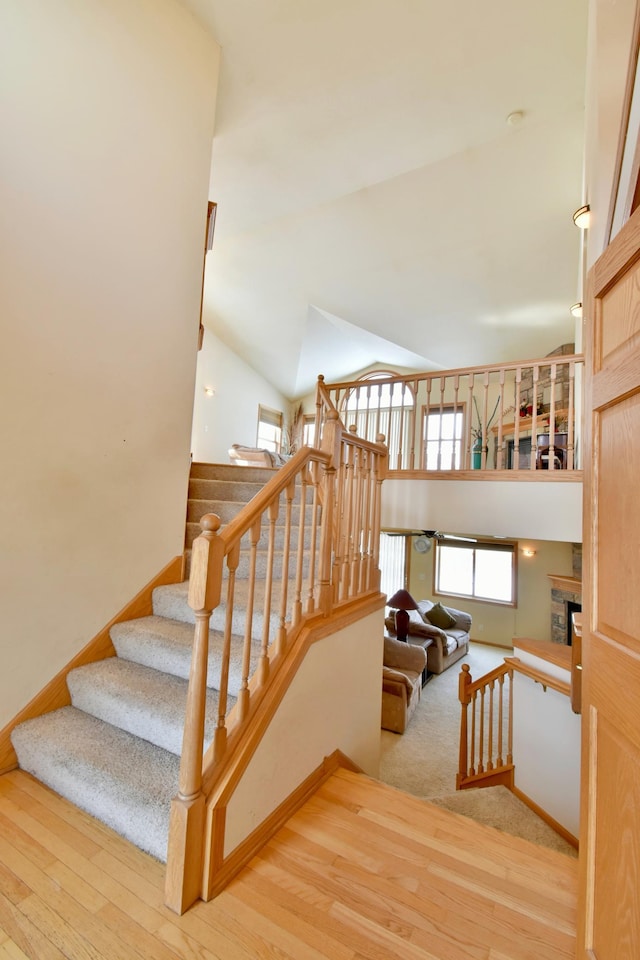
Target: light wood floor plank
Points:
(361, 871)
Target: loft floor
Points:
(361, 871)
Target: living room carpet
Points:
(423, 760)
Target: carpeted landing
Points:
(423, 760)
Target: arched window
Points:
(380, 404)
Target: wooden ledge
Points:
(570, 584)
(542, 678)
(556, 653)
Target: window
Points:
(482, 571)
(269, 429)
(393, 560)
(309, 430)
(442, 437)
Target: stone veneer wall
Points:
(559, 599)
(543, 390)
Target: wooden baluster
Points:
(485, 414)
(441, 411)
(469, 431)
(184, 852)
(516, 426)
(244, 695)
(403, 389)
(571, 417)
(348, 520)
(481, 736)
(535, 370)
(281, 640)
(510, 728)
(500, 717)
(474, 706)
(552, 418)
(317, 432)
(263, 667)
(365, 432)
(413, 419)
(338, 526)
(379, 474)
(220, 735)
(313, 546)
(499, 439)
(463, 696)
(426, 425)
(490, 743)
(365, 567)
(331, 444)
(297, 603)
(358, 523)
(456, 461)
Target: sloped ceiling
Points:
(368, 182)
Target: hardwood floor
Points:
(361, 872)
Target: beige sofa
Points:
(449, 644)
(402, 668)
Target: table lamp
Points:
(402, 601)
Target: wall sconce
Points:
(576, 309)
(582, 217)
(528, 552)
(209, 392)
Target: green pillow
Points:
(440, 617)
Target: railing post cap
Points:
(332, 415)
(210, 523)
(321, 377)
(353, 428)
(465, 668)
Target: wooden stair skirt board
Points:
(502, 777)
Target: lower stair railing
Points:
(326, 558)
(486, 729)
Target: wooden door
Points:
(609, 916)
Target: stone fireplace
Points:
(566, 597)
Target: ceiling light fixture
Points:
(582, 217)
(576, 309)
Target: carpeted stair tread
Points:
(231, 471)
(122, 780)
(171, 601)
(145, 702)
(167, 645)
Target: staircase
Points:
(115, 752)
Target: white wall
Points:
(231, 414)
(341, 679)
(108, 112)
(546, 744)
(500, 508)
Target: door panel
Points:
(609, 914)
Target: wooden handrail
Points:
(345, 475)
(539, 676)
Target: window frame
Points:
(439, 409)
(502, 546)
(273, 418)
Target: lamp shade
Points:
(402, 600)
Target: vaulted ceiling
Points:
(374, 202)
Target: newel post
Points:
(464, 682)
(186, 825)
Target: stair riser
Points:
(234, 492)
(227, 511)
(168, 604)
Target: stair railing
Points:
(518, 416)
(329, 556)
(486, 728)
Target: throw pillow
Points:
(440, 617)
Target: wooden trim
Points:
(539, 676)
(624, 125)
(560, 582)
(501, 777)
(256, 840)
(548, 819)
(617, 258)
(555, 653)
(535, 476)
(56, 694)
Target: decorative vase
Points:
(476, 450)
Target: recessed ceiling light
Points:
(515, 118)
(576, 309)
(582, 217)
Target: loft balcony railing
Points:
(499, 420)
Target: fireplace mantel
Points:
(568, 584)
